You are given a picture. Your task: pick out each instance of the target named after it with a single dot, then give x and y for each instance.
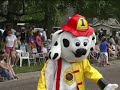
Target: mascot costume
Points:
(68, 64)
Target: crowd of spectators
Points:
(105, 48)
(10, 42)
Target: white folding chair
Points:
(23, 55)
(41, 57)
(32, 55)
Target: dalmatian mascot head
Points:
(74, 41)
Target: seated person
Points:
(112, 50)
(6, 69)
(94, 54)
(18, 43)
(97, 51)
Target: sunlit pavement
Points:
(29, 81)
(111, 73)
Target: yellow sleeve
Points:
(42, 79)
(91, 72)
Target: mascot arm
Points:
(42, 79)
(105, 86)
(94, 75)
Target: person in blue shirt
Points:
(103, 58)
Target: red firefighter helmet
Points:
(78, 26)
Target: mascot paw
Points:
(111, 87)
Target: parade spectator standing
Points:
(23, 36)
(112, 40)
(38, 41)
(44, 36)
(103, 58)
(5, 33)
(10, 47)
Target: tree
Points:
(49, 13)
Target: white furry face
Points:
(73, 49)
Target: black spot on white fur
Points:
(66, 43)
(55, 56)
(93, 38)
(56, 43)
(50, 55)
(60, 32)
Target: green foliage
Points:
(52, 12)
(102, 9)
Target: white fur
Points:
(56, 49)
(51, 76)
(93, 41)
(50, 73)
(111, 87)
(67, 53)
(67, 56)
(65, 86)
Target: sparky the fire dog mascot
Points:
(68, 64)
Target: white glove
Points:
(111, 87)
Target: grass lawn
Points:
(26, 68)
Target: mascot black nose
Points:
(81, 51)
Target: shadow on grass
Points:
(26, 68)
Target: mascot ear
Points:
(93, 42)
(55, 51)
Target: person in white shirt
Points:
(44, 35)
(10, 46)
(112, 50)
(112, 40)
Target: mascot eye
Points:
(85, 43)
(77, 44)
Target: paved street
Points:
(111, 73)
(29, 81)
